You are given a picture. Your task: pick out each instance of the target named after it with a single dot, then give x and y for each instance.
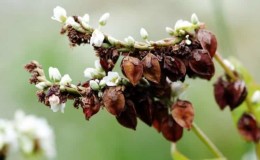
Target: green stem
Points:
(202, 136)
(257, 150)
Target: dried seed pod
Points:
(183, 113)
(208, 41)
(236, 93)
(171, 130)
(144, 110)
(128, 117)
(174, 68)
(133, 69)
(201, 64)
(220, 93)
(248, 128)
(160, 112)
(114, 100)
(152, 69)
(90, 106)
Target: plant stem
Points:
(257, 150)
(231, 74)
(202, 136)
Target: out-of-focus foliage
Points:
(27, 32)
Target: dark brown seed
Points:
(114, 100)
(128, 117)
(152, 69)
(220, 93)
(183, 113)
(171, 130)
(133, 69)
(144, 110)
(160, 112)
(236, 93)
(248, 128)
(208, 41)
(201, 64)
(90, 106)
(174, 68)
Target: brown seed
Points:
(144, 110)
(90, 106)
(248, 128)
(152, 69)
(220, 93)
(174, 68)
(183, 113)
(133, 69)
(128, 117)
(171, 130)
(201, 64)
(208, 41)
(160, 112)
(114, 100)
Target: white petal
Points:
(62, 107)
(143, 33)
(194, 19)
(54, 100)
(54, 74)
(41, 85)
(59, 14)
(55, 108)
(89, 73)
(65, 80)
(256, 97)
(103, 19)
(180, 24)
(97, 38)
(130, 41)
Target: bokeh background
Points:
(28, 33)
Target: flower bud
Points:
(103, 19)
(59, 14)
(89, 73)
(183, 113)
(112, 40)
(194, 19)
(170, 31)
(130, 41)
(152, 69)
(94, 85)
(97, 38)
(256, 97)
(54, 74)
(65, 80)
(182, 25)
(133, 69)
(84, 21)
(70, 21)
(143, 33)
(114, 100)
(41, 85)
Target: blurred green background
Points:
(28, 33)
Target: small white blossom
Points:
(98, 65)
(89, 73)
(97, 38)
(65, 80)
(229, 64)
(85, 21)
(55, 104)
(102, 83)
(143, 33)
(103, 19)
(194, 19)
(130, 41)
(41, 85)
(59, 14)
(256, 97)
(112, 79)
(181, 24)
(34, 132)
(54, 74)
(94, 85)
(178, 88)
(112, 40)
(70, 21)
(169, 30)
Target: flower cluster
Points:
(150, 80)
(28, 135)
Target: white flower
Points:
(194, 19)
(34, 132)
(169, 30)
(65, 80)
(94, 85)
(89, 73)
(59, 14)
(178, 88)
(130, 41)
(112, 79)
(181, 24)
(143, 33)
(55, 104)
(256, 97)
(98, 65)
(229, 64)
(54, 74)
(112, 40)
(70, 21)
(85, 21)
(103, 19)
(41, 85)
(97, 38)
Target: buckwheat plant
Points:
(151, 79)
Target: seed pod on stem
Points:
(152, 69)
